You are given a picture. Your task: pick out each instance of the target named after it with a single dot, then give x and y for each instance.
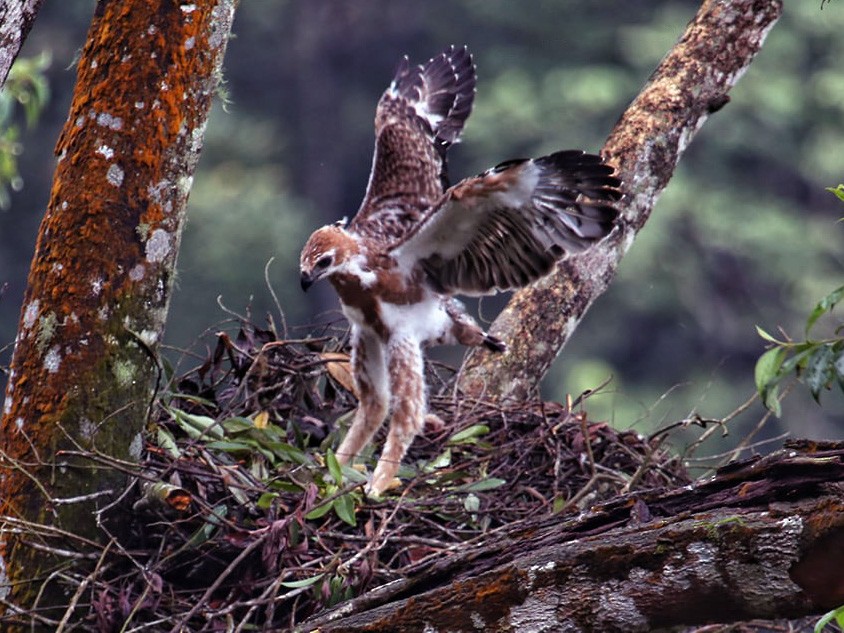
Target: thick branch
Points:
(761, 540)
(16, 18)
(691, 82)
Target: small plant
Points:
(817, 362)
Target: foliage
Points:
(26, 87)
(817, 362)
(836, 615)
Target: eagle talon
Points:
(495, 344)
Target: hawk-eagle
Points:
(415, 242)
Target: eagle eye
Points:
(324, 262)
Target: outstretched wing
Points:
(510, 225)
(419, 116)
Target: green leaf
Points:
(237, 424)
(471, 503)
(767, 369)
(491, 483)
(839, 367)
(469, 434)
(197, 426)
(443, 460)
(334, 467)
(212, 522)
(266, 500)
(836, 614)
(229, 447)
(824, 305)
(319, 511)
(837, 191)
(767, 374)
(286, 486)
(165, 440)
(287, 452)
(766, 336)
(344, 507)
(306, 582)
(353, 475)
(819, 370)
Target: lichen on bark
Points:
(84, 367)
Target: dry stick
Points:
(726, 454)
(216, 584)
(722, 423)
(745, 442)
(32, 616)
(71, 607)
(275, 297)
(22, 526)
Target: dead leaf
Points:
(340, 369)
(261, 419)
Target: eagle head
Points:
(328, 250)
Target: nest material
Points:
(240, 517)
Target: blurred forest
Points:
(744, 235)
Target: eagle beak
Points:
(306, 280)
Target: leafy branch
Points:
(816, 362)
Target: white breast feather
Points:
(353, 314)
(423, 321)
(367, 277)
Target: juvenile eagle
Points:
(415, 242)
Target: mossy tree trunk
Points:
(691, 83)
(83, 371)
(16, 18)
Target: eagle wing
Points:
(510, 225)
(419, 116)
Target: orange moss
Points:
(144, 85)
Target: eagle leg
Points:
(371, 380)
(407, 386)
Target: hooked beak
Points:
(306, 281)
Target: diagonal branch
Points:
(16, 19)
(691, 83)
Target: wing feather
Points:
(510, 225)
(419, 116)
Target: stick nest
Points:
(239, 518)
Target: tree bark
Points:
(763, 539)
(83, 370)
(16, 19)
(690, 83)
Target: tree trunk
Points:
(16, 18)
(691, 82)
(763, 539)
(84, 366)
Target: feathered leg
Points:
(371, 380)
(407, 384)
